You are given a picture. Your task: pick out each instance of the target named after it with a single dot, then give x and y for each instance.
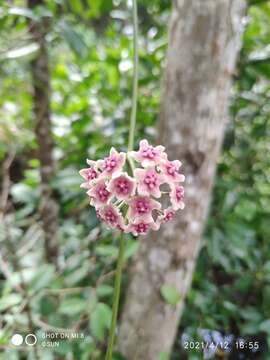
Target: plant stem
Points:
(120, 260)
(135, 77)
(116, 295)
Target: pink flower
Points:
(89, 174)
(149, 181)
(114, 162)
(170, 170)
(142, 207)
(99, 193)
(122, 186)
(112, 216)
(141, 227)
(120, 198)
(177, 196)
(167, 215)
(149, 155)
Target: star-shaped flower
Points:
(122, 186)
(149, 181)
(149, 155)
(141, 227)
(112, 216)
(99, 194)
(171, 170)
(112, 163)
(89, 174)
(142, 207)
(177, 196)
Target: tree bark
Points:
(41, 110)
(204, 39)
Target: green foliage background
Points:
(90, 53)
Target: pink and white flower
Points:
(141, 227)
(166, 216)
(149, 155)
(89, 174)
(149, 181)
(114, 162)
(112, 216)
(122, 186)
(99, 194)
(177, 196)
(142, 207)
(171, 170)
(129, 202)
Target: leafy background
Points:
(90, 53)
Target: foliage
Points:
(90, 62)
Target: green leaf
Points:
(230, 306)
(42, 278)
(104, 290)
(94, 7)
(67, 179)
(77, 275)
(9, 301)
(73, 306)
(47, 305)
(74, 40)
(131, 248)
(265, 326)
(100, 320)
(246, 209)
(76, 6)
(21, 11)
(107, 250)
(251, 314)
(170, 294)
(64, 347)
(24, 193)
(164, 356)
(250, 328)
(22, 51)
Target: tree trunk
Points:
(41, 109)
(204, 39)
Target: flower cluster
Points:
(129, 201)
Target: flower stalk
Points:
(116, 295)
(135, 77)
(120, 261)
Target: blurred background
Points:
(69, 284)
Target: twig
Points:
(42, 324)
(6, 182)
(66, 290)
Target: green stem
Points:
(135, 77)
(118, 275)
(116, 295)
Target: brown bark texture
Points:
(41, 109)
(204, 40)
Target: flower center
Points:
(110, 216)
(109, 163)
(123, 186)
(141, 228)
(91, 174)
(179, 193)
(169, 216)
(149, 152)
(171, 169)
(142, 207)
(150, 180)
(103, 193)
